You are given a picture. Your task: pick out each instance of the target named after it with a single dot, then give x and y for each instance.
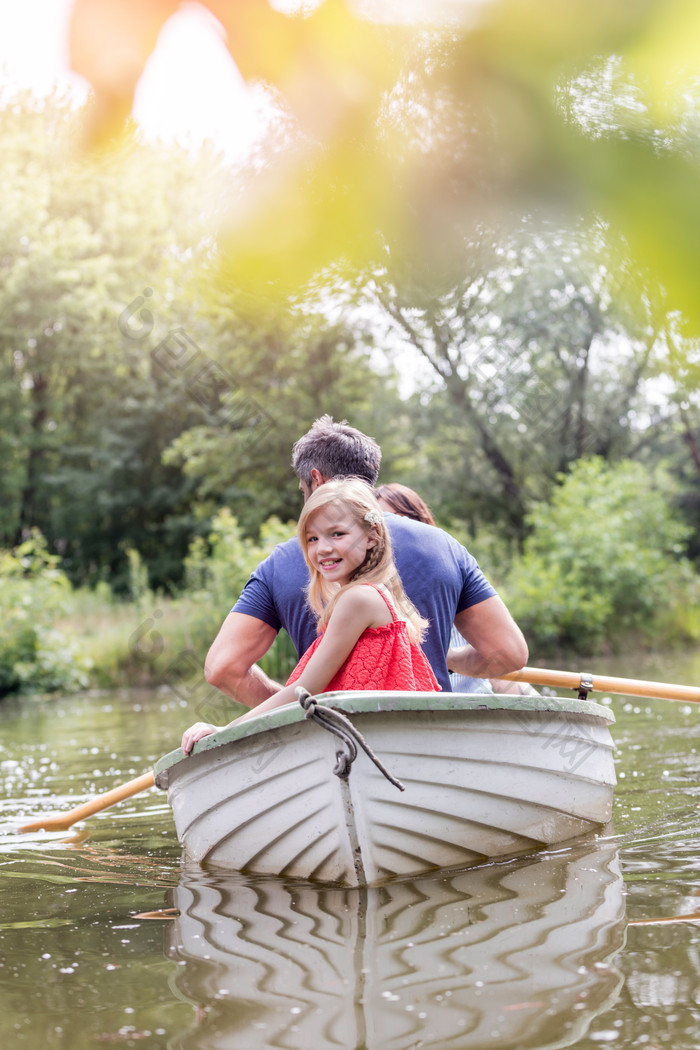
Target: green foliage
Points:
(138, 579)
(216, 572)
(35, 656)
(135, 398)
(85, 409)
(285, 368)
(603, 562)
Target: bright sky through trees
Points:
(190, 89)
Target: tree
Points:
(535, 365)
(603, 560)
(140, 396)
(283, 369)
(678, 443)
(86, 408)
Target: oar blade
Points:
(63, 821)
(56, 822)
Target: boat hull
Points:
(484, 777)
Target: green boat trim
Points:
(364, 702)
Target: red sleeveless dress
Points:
(383, 658)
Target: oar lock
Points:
(585, 685)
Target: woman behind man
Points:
(400, 499)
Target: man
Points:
(439, 575)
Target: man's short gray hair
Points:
(336, 450)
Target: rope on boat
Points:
(341, 726)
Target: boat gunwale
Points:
(363, 702)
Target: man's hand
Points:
(497, 645)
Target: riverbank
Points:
(154, 641)
(165, 641)
(56, 638)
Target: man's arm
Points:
(355, 610)
(497, 643)
(231, 663)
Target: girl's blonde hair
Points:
(378, 566)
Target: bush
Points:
(604, 560)
(35, 656)
(152, 639)
(217, 571)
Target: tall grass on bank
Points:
(153, 640)
(87, 638)
(35, 655)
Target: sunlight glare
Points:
(190, 91)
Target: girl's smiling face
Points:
(336, 543)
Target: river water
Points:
(107, 940)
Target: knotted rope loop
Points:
(341, 726)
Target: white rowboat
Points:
(485, 776)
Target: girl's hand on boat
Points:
(195, 733)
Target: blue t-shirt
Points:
(439, 575)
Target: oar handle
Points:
(604, 684)
(63, 821)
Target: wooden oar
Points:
(603, 684)
(63, 821)
(693, 916)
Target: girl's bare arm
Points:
(357, 609)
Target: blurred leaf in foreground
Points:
(405, 134)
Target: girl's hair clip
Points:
(373, 517)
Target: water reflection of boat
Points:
(510, 955)
(485, 776)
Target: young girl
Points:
(369, 630)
